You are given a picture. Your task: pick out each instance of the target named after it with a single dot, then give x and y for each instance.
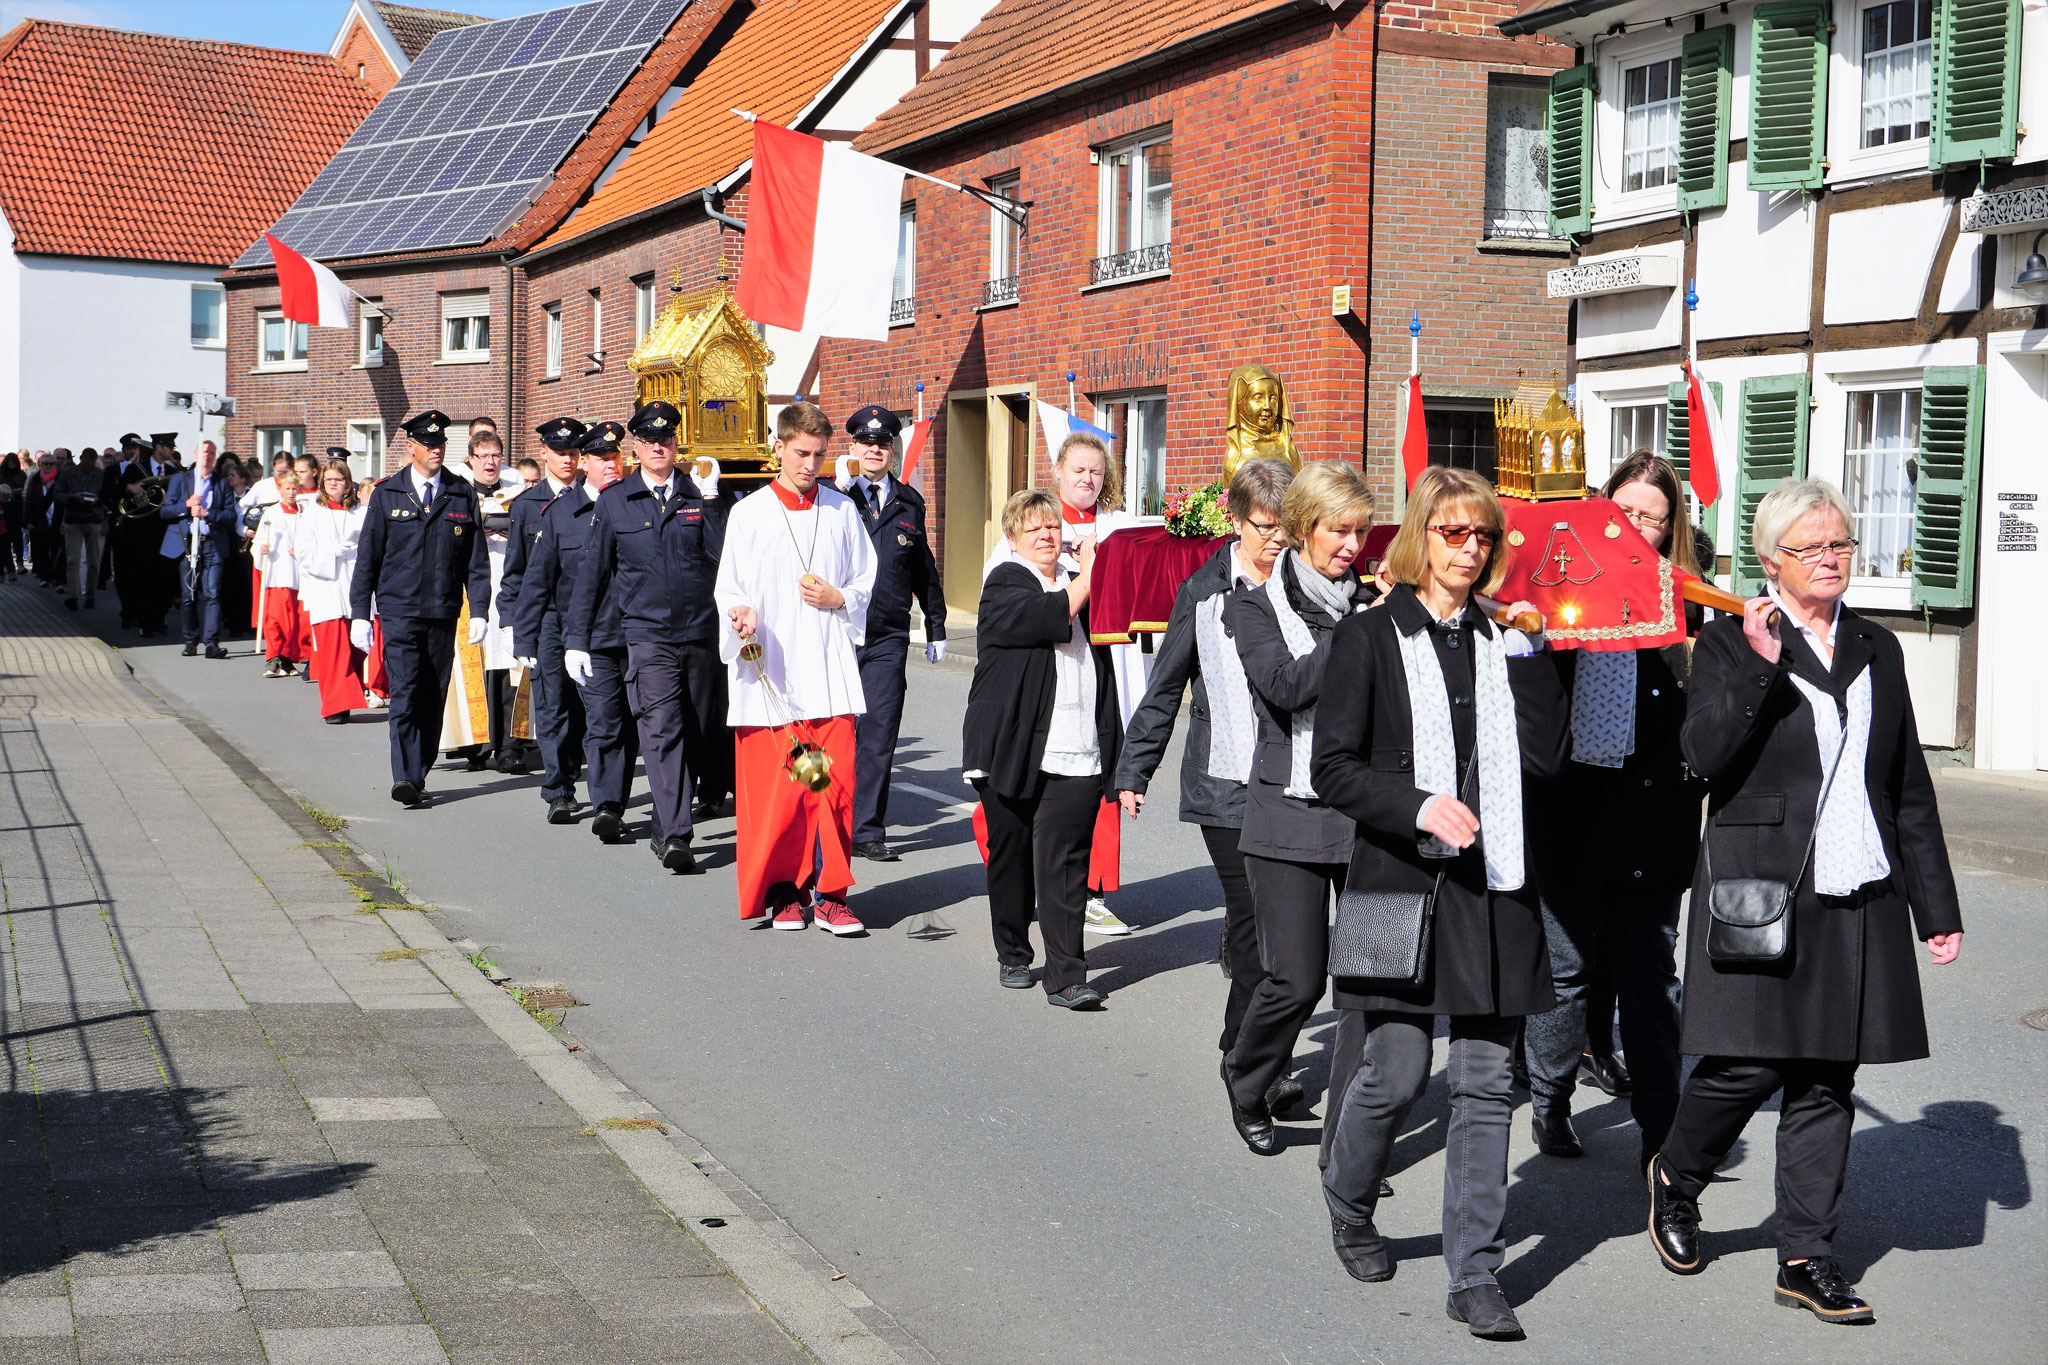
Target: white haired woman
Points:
(1804, 731)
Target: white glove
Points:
(527, 663)
(577, 664)
(707, 484)
(478, 626)
(934, 651)
(359, 635)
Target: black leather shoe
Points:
(607, 823)
(1077, 997)
(677, 857)
(1016, 978)
(1820, 1287)
(1485, 1312)
(875, 851)
(1255, 1126)
(1386, 1189)
(191, 648)
(1361, 1251)
(71, 604)
(1607, 1074)
(216, 651)
(338, 718)
(1674, 1224)
(1283, 1094)
(407, 795)
(562, 811)
(477, 763)
(704, 809)
(1555, 1136)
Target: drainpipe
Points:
(513, 319)
(1372, 235)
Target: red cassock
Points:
(1105, 853)
(373, 671)
(338, 667)
(784, 828)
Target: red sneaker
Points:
(790, 917)
(834, 918)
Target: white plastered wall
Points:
(2012, 722)
(1755, 262)
(10, 341)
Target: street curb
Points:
(805, 1309)
(1982, 853)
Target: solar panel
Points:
(472, 131)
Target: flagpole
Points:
(1415, 343)
(1016, 209)
(1070, 393)
(920, 400)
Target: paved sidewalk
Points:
(249, 1115)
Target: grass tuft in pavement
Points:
(634, 1125)
(323, 817)
(399, 955)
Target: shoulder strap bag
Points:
(1384, 935)
(1748, 923)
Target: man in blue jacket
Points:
(199, 501)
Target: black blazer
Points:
(1849, 988)
(419, 561)
(1176, 666)
(1009, 703)
(905, 569)
(1487, 954)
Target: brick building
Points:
(377, 42)
(497, 168)
(1208, 183)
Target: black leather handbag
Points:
(1749, 921)
(1384, 935)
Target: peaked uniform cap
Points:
(560, 433)
(874, 422)
(429, 428)
(603, 439)
(656, 422)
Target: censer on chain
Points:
(807, 763)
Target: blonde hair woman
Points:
(1425, 748)
(324, 549)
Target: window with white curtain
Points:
(1649, 129)
(466, 326)
(369, 335)
(1879, 469)
(1136, 195)
(643, 308)
(280, 342)
(596, 332)
(903, 292)
(274, 441)
(551, 346)
(1138, 422)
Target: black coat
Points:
(905, 570)
(1849, 987)
(1277, 825)
(1636, 827)
(525, 512)
(659, 569)
(1176, 666)
(1487, 954)
(418, 561)
(559, 548)
(1009, 703)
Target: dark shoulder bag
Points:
(1384, 935)
(1748, 923)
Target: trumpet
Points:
(148, 502)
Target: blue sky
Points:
(308, 25)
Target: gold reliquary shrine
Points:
(703, 356)
(1539, 445)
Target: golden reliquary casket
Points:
(703, 355)
(1539, 445)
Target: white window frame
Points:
(1507, 228)
(296, 343)
(369, 357)
(1132, 446)
(1660, 157)
(643, 309)
(270, 441)
(1005, 238)
(1114, 237)
(596, 353)
(366, 449)
(1849, 161)
(1908, 395)
(461, 305)
(1924, 48)
(1613, 205)
(219, 294)
(551, 340)
(903, 284)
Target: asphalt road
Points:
(1017, 1183)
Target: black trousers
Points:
(611, 742)
(557, 716)
(419, 653)
(201, 608)
(874, 734)
(1038, 859)
(1291, 906)
(1815, 1115)
(134, 542)
(46, 551)
(1240, 927)
(674, 690)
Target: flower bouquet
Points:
(1198, 513)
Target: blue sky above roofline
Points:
(305, 25)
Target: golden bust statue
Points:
(1259, 427)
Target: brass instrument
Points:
(148, 502)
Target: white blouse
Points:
(1073, 748)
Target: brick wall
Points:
(362, 58)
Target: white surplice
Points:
(324, 546)
(811, 656)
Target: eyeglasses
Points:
(1813, 554)
(1454, 536)
(1644, 518)
(1264, 530)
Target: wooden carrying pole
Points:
(1694, 590)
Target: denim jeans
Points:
(1631, 938)
(1375, 1108)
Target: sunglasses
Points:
(1455, 536)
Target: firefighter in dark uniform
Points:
(560, 550)
(557, 711)
(656, 544)
(893, 512)
(421, 547)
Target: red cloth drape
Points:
(781, 821)
(337, 665)
(1589, 571)
(1138, 571)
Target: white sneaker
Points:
(378, 703)
(1097, 919)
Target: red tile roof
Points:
(415, 28)
(1026, 48)
(777, 62)
(134, 146)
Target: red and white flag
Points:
(912, 449)
(1703, 439)
(821, 237)
(1415, 440)
(308, 291)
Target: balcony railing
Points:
(1517, 224)
(903, 310)
(1156, 259)
(996, 293)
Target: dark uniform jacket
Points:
(904, 566)
(417, 561)
(560, 555)
(1204, 800)
(525, 510)
(1487, 953)
(1009, 702)
(1848, 988)
(660, 570)
(1277, 825)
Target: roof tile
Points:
(415, 28)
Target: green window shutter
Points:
(1678, 429)
(1571, 151)
(1788, 91)
(1703, 83)
(1976, 81)
(1772, 450)
(1945, 495)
